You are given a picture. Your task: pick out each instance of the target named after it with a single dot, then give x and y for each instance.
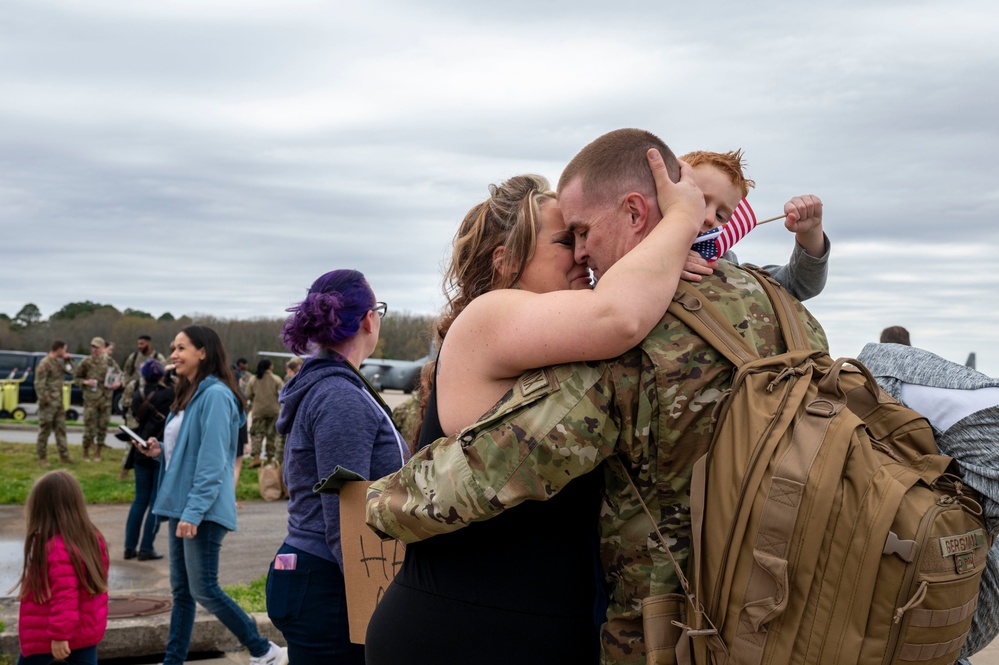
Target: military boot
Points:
(44, 463)
(66, 459)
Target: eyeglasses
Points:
(381, 309)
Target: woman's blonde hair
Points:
(509, 218)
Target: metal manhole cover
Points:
(137, 606)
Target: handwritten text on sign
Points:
(369, 563)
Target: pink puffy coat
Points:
(70, 614)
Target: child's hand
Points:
(60, 649)
(696, 266)
(804, 219)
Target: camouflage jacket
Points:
(652, 406)
(130, 370)
(50, 374)
(94, 368)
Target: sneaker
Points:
(275, 656)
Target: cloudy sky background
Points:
(215, 157)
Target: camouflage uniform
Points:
(262, 394)
(49, 378)
(406, 417)
(96, 401)
(131, 379)
(652, 406)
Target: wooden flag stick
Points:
(772, 219)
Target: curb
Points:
(145, 636)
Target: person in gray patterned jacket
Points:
(962, 405)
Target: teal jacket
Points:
(198, 484)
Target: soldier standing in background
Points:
(290, 369)
(98, 385)
(49, 379)
(132, 379)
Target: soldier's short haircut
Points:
(145, 337)
(58, 344)
(616, 163)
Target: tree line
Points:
(404, 336)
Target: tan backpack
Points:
(827, 528)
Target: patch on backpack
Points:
(963, 544)
(533, 382)
(964, 563)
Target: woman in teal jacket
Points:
(197, 494)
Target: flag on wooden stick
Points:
(712, 244)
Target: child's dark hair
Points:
(56, 507)
(331, 313)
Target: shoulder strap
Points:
(703, 317)
(616, 461)
(793, 330)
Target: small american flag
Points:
(712, 244)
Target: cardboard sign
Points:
(369, 563)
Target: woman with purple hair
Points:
(330, 417)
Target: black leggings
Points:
(413, 627)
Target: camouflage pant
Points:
(51, 417)
(279, 456)
(96, 414)
(262, 428)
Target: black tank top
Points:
(539, 557)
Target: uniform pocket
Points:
(285, 594)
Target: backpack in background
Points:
(826, 526)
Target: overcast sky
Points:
(216, 157)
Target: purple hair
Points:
(152, 370)
(331, 313)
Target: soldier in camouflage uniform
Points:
(49, 378)
(91, 375)
(652, 407)
(132, 379)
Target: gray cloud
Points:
(217, 158)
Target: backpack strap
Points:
(710, 632)
(704, 318)
(791, 327)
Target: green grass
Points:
(251, 597)
(99, 479)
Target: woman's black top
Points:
(151, 414)
(532, 570)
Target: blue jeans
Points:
(146, 485)
(82, 656)
(194, 576)
(309, 606)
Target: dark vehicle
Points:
(21, 364)
(385, 373)
(382, 373)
